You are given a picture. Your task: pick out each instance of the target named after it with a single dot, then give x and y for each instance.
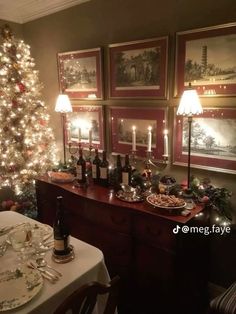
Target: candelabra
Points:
(133, 158)
(74, 150)
(158, 165)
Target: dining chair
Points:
(225, 303)
(83, 300)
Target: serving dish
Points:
(168, 202)
(61, 177)
(130, 198)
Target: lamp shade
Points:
(63, 104)
(189, 103)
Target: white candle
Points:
(166, 143)
(149, 146)
(134, 138)
(79, 134)
(90, 137)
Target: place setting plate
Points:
(28, 229)
(18, 286)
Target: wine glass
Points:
(37, 240)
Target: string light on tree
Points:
(27, 147)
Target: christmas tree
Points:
(27, 147)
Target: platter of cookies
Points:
(165, 201)
(61, 177)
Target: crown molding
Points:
(23, 11)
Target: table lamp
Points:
(189, 105)
(63, 106)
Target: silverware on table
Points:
(45, 273)
(42, 263)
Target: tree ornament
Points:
(16, 66)
(42, 122)
(14, 103)
(6, 32)
(13, 50)
(21, 87)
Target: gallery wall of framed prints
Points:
(139, 72)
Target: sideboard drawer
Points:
(158, 233)
(108, 216)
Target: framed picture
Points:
(211, 149)
(206, 59)
(85, 125)
(80, 74)
(148, 125)
(138, 69)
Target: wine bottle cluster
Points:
(100, 170)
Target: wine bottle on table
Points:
(60, 231)
(81, 168)
(103, 168)
(126, 171)
(118, 172)
(95, 167)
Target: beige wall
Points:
(101, 22)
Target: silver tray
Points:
(134, 199)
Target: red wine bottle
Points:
(60, 231)
(95, 167)
(126, 171)
(103, 168)
(118, 172)
(81, 168)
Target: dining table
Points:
(86, 266)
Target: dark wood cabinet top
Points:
(108, 196)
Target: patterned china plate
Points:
(18, 287)
(151, 199)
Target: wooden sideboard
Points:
(161, 272)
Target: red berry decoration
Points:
(21, 87)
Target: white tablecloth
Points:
(88, 265)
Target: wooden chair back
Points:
(83, 300)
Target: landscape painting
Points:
(208, 137)
(80, 122)
(210, 61)
(210, 148)
(80, 74)
(142, 125)
(139, 69)
(206, 59)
